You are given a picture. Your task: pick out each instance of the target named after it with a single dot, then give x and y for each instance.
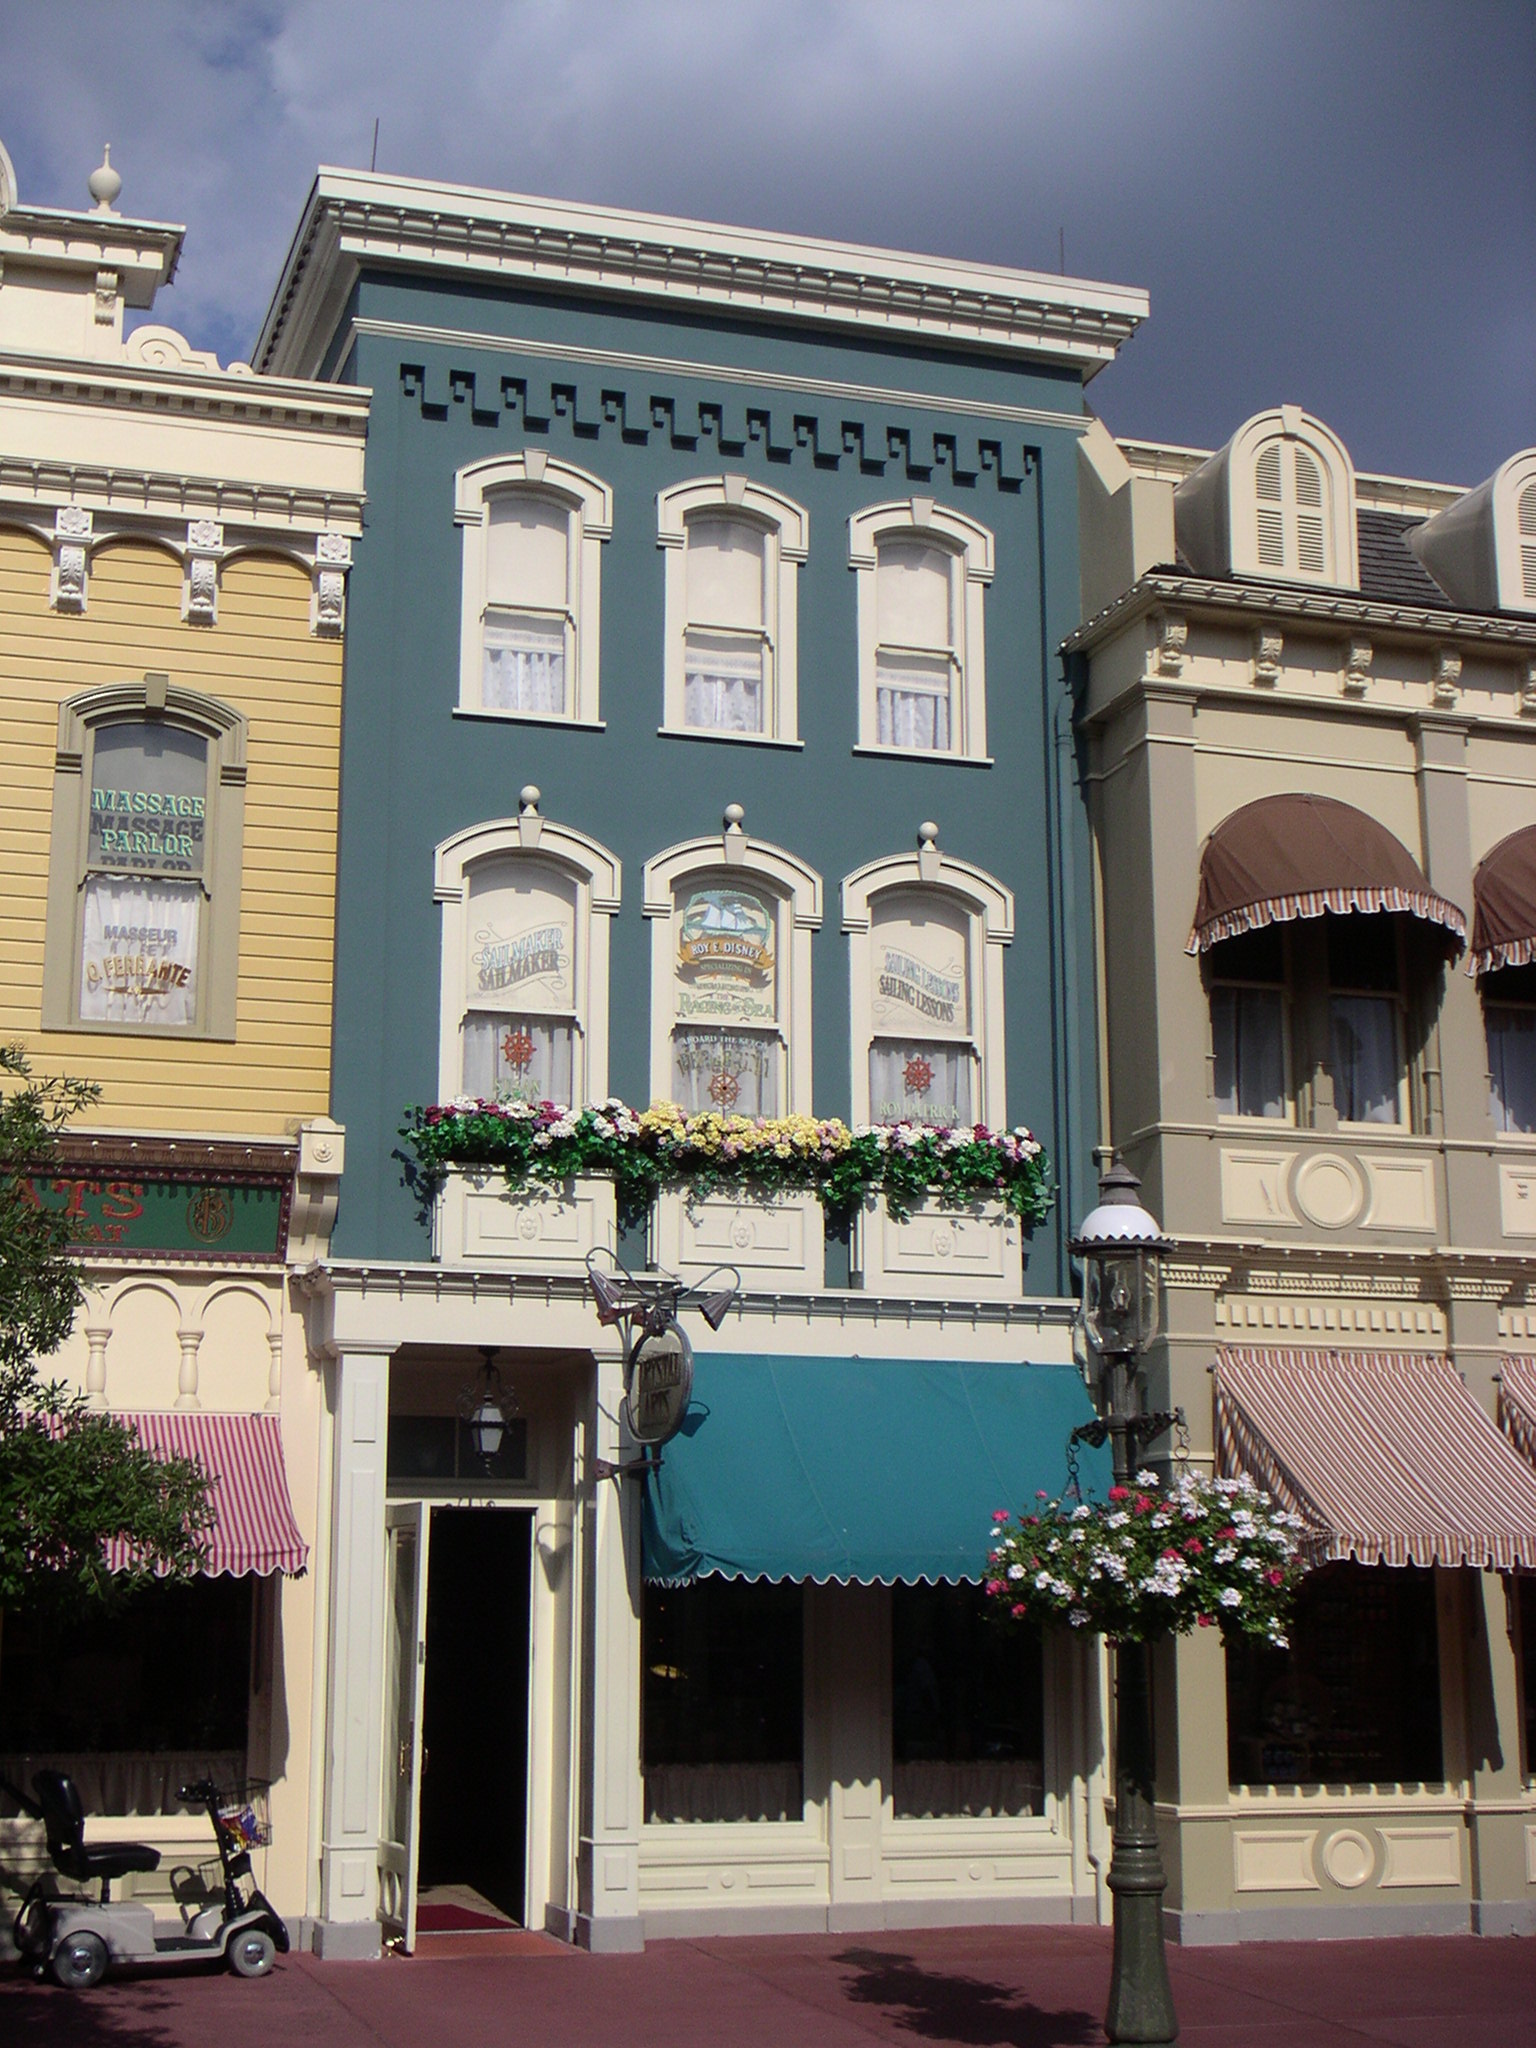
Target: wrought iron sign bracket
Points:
(627, 1468)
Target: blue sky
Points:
(1332, 202)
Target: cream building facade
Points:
(1307, 703)
(175, 542)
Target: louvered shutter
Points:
(1290, 514)
(1528, 540)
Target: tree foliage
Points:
(72, 1479)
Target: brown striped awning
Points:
(1292, 856)
(1517, 1404)
(1504, 905)
(1384, 1455)
(253, 1527)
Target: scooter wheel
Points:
(252, 1953)
(79, 1961)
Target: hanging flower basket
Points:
(1151, 1561)
(660, 1147)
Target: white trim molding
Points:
(988, 907)
(785, 528)
(588, 505)
(969, 547)
(596, 875)
(357, 217)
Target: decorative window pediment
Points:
(532, 576)
(732, 550)
(922, 570)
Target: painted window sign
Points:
(928, 992)
(920, 958)
(173, 1213)
(725, 959)
(149, 787)
(542, 955)
(731, 1071)
(138, 950)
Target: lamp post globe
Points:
(1122, 1249)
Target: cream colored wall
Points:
(262, 659)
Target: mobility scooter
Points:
(75, 1939)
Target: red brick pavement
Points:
(958, 1988)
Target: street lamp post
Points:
(1121, 1249)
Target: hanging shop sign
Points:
(660, 1386)
(725, 962)
(174, 1214)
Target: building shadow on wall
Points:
(969, 2012)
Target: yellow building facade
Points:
(175, 539)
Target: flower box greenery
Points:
(660, 1147)
(1203, 1553)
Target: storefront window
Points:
(133, 1702)
(1356, 1698)
(723, 1708)
(967, 1708)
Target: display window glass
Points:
(967, 1708)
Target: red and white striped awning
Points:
(1385, 1455)
(253, 1525)
(1517, 1404)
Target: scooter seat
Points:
(112, 1859)
(86, 1862)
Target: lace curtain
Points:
(967, 1791)
(1248, 1032)
(722, 683)
(735, 1073)
(517, 1059)
(524, 664)
(126, 1782)
(138, 951)
(723, 1792)
(1366, 1067)
(912, 705)
(1512, 1066)
(919, 1083)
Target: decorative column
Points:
(186, 1383)
(358, 1386)
(96, 1336)
(612, 1806)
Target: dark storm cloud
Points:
(1329, 200)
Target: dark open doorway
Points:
(474, 1730)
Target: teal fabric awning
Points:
(877, 1471)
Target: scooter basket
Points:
(242, 1815)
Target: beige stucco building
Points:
(1307, 705)
(174, 547)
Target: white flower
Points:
(1117, 1520)
(1015, 1571)
(1081, 1513)
(1229, 1596)
(1226, 1553)
(1042, 1581)
(1061, 1589)
(1146, 1478)
(1249, 1564)
(1078, 1536)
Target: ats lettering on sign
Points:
(725, 960)
(174, 1214)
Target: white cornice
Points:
(143, 500)
(357, 217)
(279, 403)
(1288, 601)
(143, 253)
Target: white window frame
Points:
(796, 891)
(597, 876)
(1514, 547)
(988, 907)
(1292, 429)
(971, 548)
(1215, 980)
(588, 504)
(786, 529)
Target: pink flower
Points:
(999, 1514)
(1119, 1493)
(1225, 1535)
(1019, 1610)
(1041, 1494)
(1194, 1546)
(994, 1585)
(1275, 1578)
(1169, 1553)
(1142, 1504)
(1205, 1621)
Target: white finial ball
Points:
(928, 833)
(528, 796)
(734, 815)
(104, 183)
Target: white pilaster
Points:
(349, 1855)
(608, 1888)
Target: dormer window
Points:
(1278, 501)
(1481, 550)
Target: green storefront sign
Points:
(167, 1213)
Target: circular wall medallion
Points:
(1348, 1858)
(1329, 1190)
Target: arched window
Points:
(524, 1008)
(926, 935)
(533, 534)
(732, 553)
(921, 573)
(731, 975)
(1277, 501)
(145, 862)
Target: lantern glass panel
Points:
(1121, 1298)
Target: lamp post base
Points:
(1140, 1996)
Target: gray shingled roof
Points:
(1389, 572)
